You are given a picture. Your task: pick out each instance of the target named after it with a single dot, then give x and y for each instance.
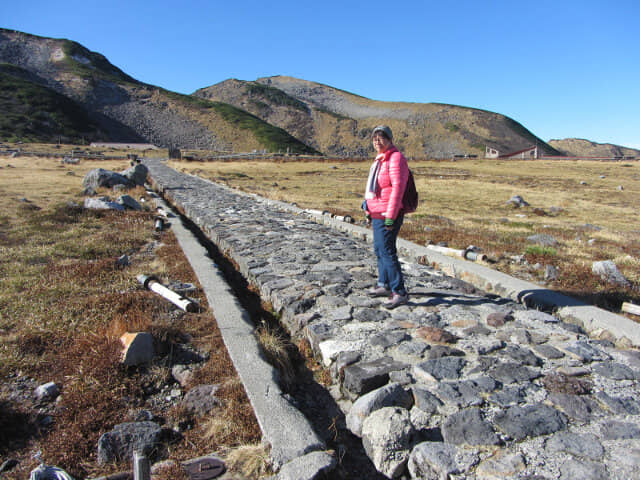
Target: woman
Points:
(383, 204)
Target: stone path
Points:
(457, 384)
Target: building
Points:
(528, 153)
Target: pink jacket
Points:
(392, 181)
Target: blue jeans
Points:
(384, 244)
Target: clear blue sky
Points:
(561, 68)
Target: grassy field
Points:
(63, 305)
(590, 208)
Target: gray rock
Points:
(517, 201)
(542, 239)
(579, 445)
(509, 396)
(100, 177)
(439, 369)
(312, 466)
(386, 437)
(572, 469)
(585, 352)
(533, 316)
(425, 400)
(138, 348)
(437, 461)
(522, 355)
(362, 377)
(387, 338)
(391, 395)
(608, 271)
(619, 405)
(101, 204)
(502, 465)
(614, 371)
(119, 444)
(46, 392)
(548, 351)
(530, 421)
(614, 430)
(467, 427)
(201, 399)
(578, 407)
(129, 202)
(137, 174)
(509, 372)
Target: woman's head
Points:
(382, 138)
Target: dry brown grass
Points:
(464, 203)
(63, 305)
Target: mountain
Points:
(578, 147)
(340, 123)
(34, 113)
(124, 109)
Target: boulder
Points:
(386, 436)
(136, 174)
(608, 271)
(390, 395)
(99, 177)
(125, 438)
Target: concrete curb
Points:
(286, 430)
(593, 319)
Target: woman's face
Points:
(381, 143)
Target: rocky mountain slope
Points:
(578, 147)
(128, 110)
(339, 123)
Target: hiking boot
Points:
(378, 291)
(396, 299)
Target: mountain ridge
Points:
(277, 113)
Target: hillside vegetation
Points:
(34, 113)
(128, 110)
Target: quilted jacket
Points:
(392, 180)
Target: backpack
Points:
(410, 197)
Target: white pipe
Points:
(152, 284)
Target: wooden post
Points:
(141, 467)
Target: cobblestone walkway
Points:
(457, 384)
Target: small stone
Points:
(572, 469)
(561, 383)
(138, 348)
(542, 239)
(47, 392)
(201, 399)
(435, 335)
(501, 465)
(548, 351)
(498, 319)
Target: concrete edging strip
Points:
(283, 426)
(593, 319)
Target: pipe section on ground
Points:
(150, 282)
